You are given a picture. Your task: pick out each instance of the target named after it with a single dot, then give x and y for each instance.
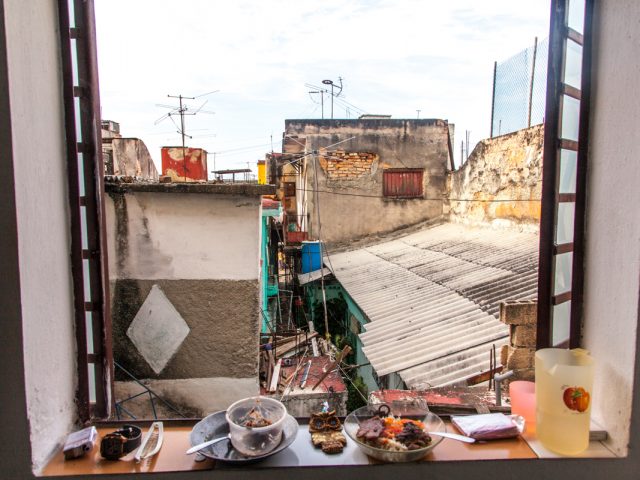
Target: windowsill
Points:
(301, 453)
(596, 449)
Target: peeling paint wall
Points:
(501, 182)
(350, 174)
(193, 168)
(200, 253)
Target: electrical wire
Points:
(498, 200)
(353, 384)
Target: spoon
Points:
(454, 436)
(202, 445)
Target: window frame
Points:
(85, 170)
(552, 198)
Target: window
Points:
(483, 469)
(403, 183)
(289, 189)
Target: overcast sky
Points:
(394, 56)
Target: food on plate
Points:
(576, 398)
(254, 419)
(393, 433)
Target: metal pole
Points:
(332, 101)
(493, 97)
(317, 201)
(322, 102)
(533, 71)
(184, 153)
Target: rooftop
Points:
(433, 298)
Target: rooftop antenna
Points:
(321, 92)
(183, 110)
(330, 82)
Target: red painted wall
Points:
(191, 170)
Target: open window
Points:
(553, 247)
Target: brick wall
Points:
(347, 165)
(519, 354)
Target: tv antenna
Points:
(330, 82)
(321, 92)
(183, 110)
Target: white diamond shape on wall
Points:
(157, 330)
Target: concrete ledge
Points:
(247, 189)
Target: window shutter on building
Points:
(403, 183)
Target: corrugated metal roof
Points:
(433, 298)
(304, 278)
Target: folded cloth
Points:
(487, 426)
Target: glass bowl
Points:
(432, 423)
(256, 441)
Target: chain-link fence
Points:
(519, 90)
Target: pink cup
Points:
(523, 401)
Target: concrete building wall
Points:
(350, 174)
(200, 253)
(500, 169)
(183, 236)
(612, 257)
(41, 199)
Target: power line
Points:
(423, 198)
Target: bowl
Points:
(215, 425)
(255, 441)
(432, 423)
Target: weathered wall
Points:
(194, 397)
(222, 341)
(155, 235)
(498, 170)
(186, 264)
(193, 168)
(35, 94)
(131, 158)
(350, 175)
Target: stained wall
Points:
(190, 260)
(351, 158)
(500, 184)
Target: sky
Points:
(405, 58)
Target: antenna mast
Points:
(183, 110)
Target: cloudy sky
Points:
(394, 57)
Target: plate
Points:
(215, 425)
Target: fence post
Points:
(493, 97)
(533, 72)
